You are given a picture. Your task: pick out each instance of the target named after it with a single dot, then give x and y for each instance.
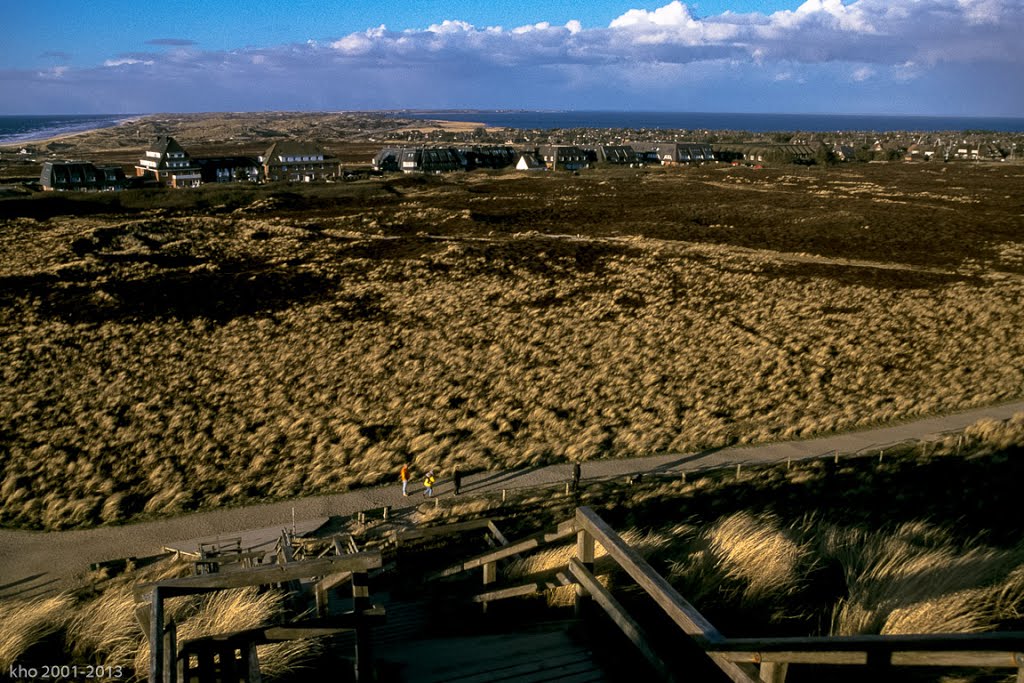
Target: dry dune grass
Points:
(917, 580)
(23, 623)
(175, 359)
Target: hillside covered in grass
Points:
(167, 351)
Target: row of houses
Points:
(166, 162)
(544, 157)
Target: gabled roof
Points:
(292, 148)
(166, 144)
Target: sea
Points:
(15, 129)
(754, 123)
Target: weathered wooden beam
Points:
(528, 543)
(668, 598)
(260, 576)
(618, 614)
(335, 580)
(514, 592)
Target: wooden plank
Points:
(852, 657)
(1009, 641)
(142, 616)
(514, 592)
(490, 573)
(668, 598)
(618, 614)
(260, 576)
(528, 543)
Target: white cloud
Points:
(454, 63)
(673, 14)
(127, 61)
(862, 73)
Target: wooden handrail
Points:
(668, 598)
(736, 655)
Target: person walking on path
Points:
(457, 480)
(405, 479)
(428, 484)
(576, 472)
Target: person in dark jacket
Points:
(457, 480)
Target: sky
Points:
(914, 57)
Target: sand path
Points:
(37, 563)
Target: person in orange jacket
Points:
(405, 479)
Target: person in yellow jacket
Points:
(428, 483)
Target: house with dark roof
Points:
(229, 169)
(480, 156)
(430, 160)
(622, 155)
(388, 160)
(671, 153)
(563, 157)
(168, 163)
(81, 176)
(296, 162)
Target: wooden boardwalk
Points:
(501, 658)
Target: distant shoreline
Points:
(53, 134)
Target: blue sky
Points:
(941, 57)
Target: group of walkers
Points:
(428, 481)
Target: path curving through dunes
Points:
(39, 563)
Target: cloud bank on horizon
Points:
(944, 57)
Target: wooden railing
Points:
(766, 660)
(163, 655)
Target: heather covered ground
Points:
(168, 351)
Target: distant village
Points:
(167, 164)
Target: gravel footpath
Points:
(37, 563)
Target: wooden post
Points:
(739, 468)
(320, 593)
(503, 492)
(837, 456)
(490, 572)
(789, 464)
(774, 672)
(156, 636)
(585, 554)
(387, 512)
(171, 653)
(252, 674)
(361, 603)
